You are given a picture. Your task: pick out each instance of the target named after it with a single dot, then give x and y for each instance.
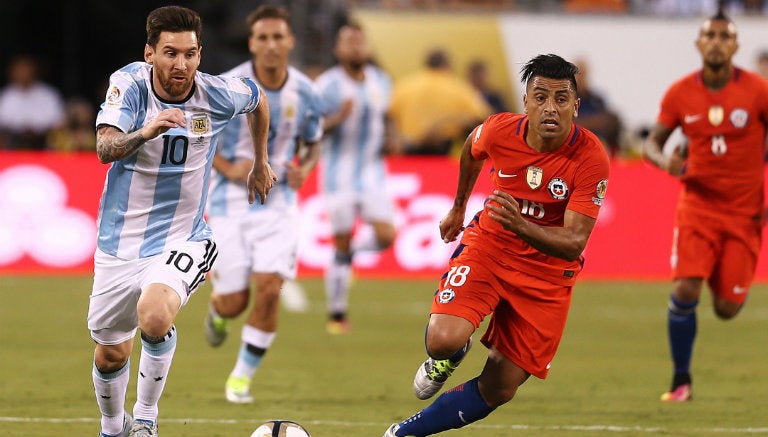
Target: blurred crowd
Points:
(434, 108)
(653, 7)
(34, 115)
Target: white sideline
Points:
(602, 428)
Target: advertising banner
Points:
(49, 201)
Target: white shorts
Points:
(344, 207)
(118, 283)
(266, 241)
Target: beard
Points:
(357, 64)
(174, 88)
(716, 62)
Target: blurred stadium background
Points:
(634, 49)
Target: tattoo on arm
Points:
(113, 145)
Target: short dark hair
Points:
(268, 11)
(720, 16)
(354, 25)
(438, 58)
(173, 19)
(549, 66)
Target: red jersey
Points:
(575, 177)
(726, 131)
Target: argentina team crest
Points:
(558, 189)
(290, 111)
(201, 124)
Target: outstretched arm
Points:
(309, 155)
(469, 168)
(653, 150)
(261, 178)
(236, 171)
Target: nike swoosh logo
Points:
(691, 118)
(461, 417)
(504, 175)
(739, 289)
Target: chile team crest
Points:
(558, 189)
(446, 295)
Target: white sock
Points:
(153, 373)
(110, 389)
(254, 346)
(337, 279)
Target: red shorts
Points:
(529, 313)
(723, 251)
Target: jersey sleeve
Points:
(312, 130)
(591, 183)
(669, 110)
(330, 95)
(245, 94)
(764, 101)
(482, 138)
(122, 105)
(386, 87)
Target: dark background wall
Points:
(81, 42)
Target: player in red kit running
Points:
(722, 110)
(519, 257)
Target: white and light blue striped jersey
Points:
(352, 152)
(156, 197)
(294, 115)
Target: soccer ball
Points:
(280, 428)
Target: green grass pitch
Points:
(605, 381)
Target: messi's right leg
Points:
(110, 374)
(112, 321)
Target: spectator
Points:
(433, 108)
(76, 134)
(682, 8)
(594, 113)
(477, 75)
(29, 108)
